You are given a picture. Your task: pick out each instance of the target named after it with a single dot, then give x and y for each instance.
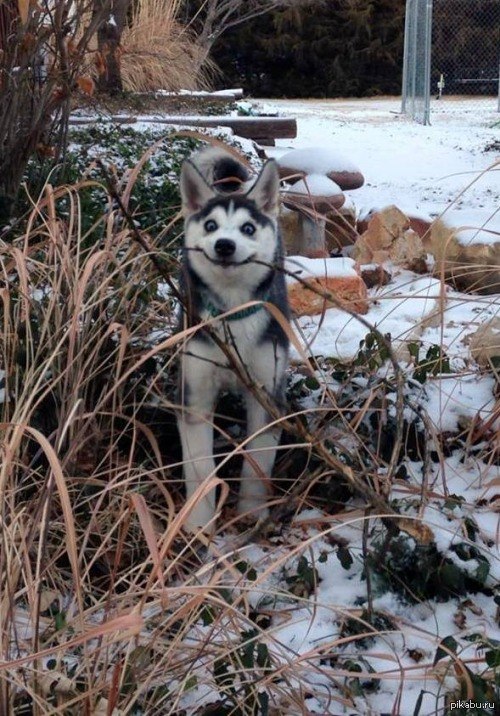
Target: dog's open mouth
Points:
(227, 262)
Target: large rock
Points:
(465, 245)
(466, 251)
(484, 344)
(388, 237)
(336, 276)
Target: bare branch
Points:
(218, 16)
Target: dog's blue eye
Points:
(248, 229)
(210, 226)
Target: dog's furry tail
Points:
(221, 170)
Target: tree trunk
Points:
(109, 37)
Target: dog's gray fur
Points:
(221, 170)
(218, 277)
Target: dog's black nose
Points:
(225, 247)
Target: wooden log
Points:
(267, 142)
(257, 128)
(227, 95)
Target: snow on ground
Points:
(475, 225)
(422, 168)
(401, 309)
(425, 171)
(437, 170)
(428, 171)
(303, 267)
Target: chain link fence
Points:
(452, 57)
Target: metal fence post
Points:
(445, 38)
(416, 68)
(498, 105)
(406, 56)
(427, 63)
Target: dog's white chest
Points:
(241, 339)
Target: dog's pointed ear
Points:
(266, 190)
(195, 192)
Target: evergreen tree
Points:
(339, 48)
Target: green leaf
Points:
(247, 570)
(207, 615)
(414, 350)
(351, 665)
(471, 527)
(452, 577)
(493, 658)
(433, 353)
(263, 658)
(247, 654)
(370, 339)
(263, 699)
(476, 637)
(355, 687)
(190, 683)
(449, 644)
(311, 383)
(60, 621)
(483, 570)
(344, 557)
(453, 501)
(223, 678)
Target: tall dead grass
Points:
(159, 53)
(106, 606)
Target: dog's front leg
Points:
(258, 465)
(195, 422)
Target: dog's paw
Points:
(252, 510)
(200, 519)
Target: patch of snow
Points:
(365, 214)
(200, 93)
(451, 400)
(315, 185)
(317, 160)
(474, 226)
(303, 267)
(456, 321)
(423, 168)
(400, 309)
(348, 204)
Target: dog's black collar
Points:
(215, 312)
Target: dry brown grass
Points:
(158, 53)
(106, 606)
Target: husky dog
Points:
(232, 254)
(221, 170)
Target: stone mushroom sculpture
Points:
(320, 175)
(299, 163)
(312, 198)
